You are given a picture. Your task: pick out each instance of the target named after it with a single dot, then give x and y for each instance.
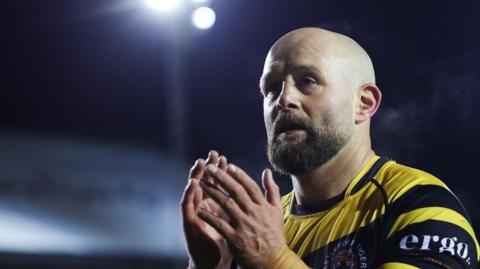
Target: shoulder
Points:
(424, 217)
(398, 179)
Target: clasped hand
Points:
(251, 222)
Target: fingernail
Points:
(232, 168)
(212, 169)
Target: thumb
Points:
(272, 191)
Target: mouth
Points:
(287, 127)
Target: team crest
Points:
(346, 254)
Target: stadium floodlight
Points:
(163, 5)
(203, 17)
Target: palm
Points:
(206, 246)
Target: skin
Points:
(339, 81)
(206, 247)
(318, 75)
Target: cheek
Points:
(329, 109)
(318, 108)
(269, 115)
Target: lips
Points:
(284, 126)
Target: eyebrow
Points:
(309, 67)
(303, 67)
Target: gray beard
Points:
(298, 158)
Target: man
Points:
(349, 208)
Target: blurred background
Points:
(106, 104)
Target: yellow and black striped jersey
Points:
(390, 214)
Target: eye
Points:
(272, 89)
(308, 81)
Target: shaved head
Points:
(318, 87)
(347, 53)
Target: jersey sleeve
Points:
(427, 227)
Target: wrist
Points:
(284, 257)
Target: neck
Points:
(332, 178)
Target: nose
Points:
(288, 97)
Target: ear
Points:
(369, 98)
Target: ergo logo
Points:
(435, 243)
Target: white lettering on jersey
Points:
(435, 243)
(407, 242)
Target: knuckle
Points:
(229, 202)
(240, 243)
(237, 189)
(256, 188)
(222, 225)
(252, 211)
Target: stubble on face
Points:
(297, 157)
(327, 126)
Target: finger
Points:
(246, 182)
(188, 209)
(226, 202)
(218, 223)
(216, 209)
(272, 191)
(197, 169)
(212, 157)
(236, 191)
(222, 162)
(198, 194)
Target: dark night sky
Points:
(98, 69)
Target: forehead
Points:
(283, 57)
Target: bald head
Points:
(319, 95)
(342, 52)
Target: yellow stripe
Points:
(415, 183)
(307, 233)
(398, 179)
(360, 174)
(397, 265)
(434, 213)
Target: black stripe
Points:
(416, 256)
(383, 230)
(422, 196)
(302, 210)
(370, 174)
(389, 250)
(382, 190)
(428, 261)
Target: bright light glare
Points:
(163, 5)
(200, 1)
(203, 17)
